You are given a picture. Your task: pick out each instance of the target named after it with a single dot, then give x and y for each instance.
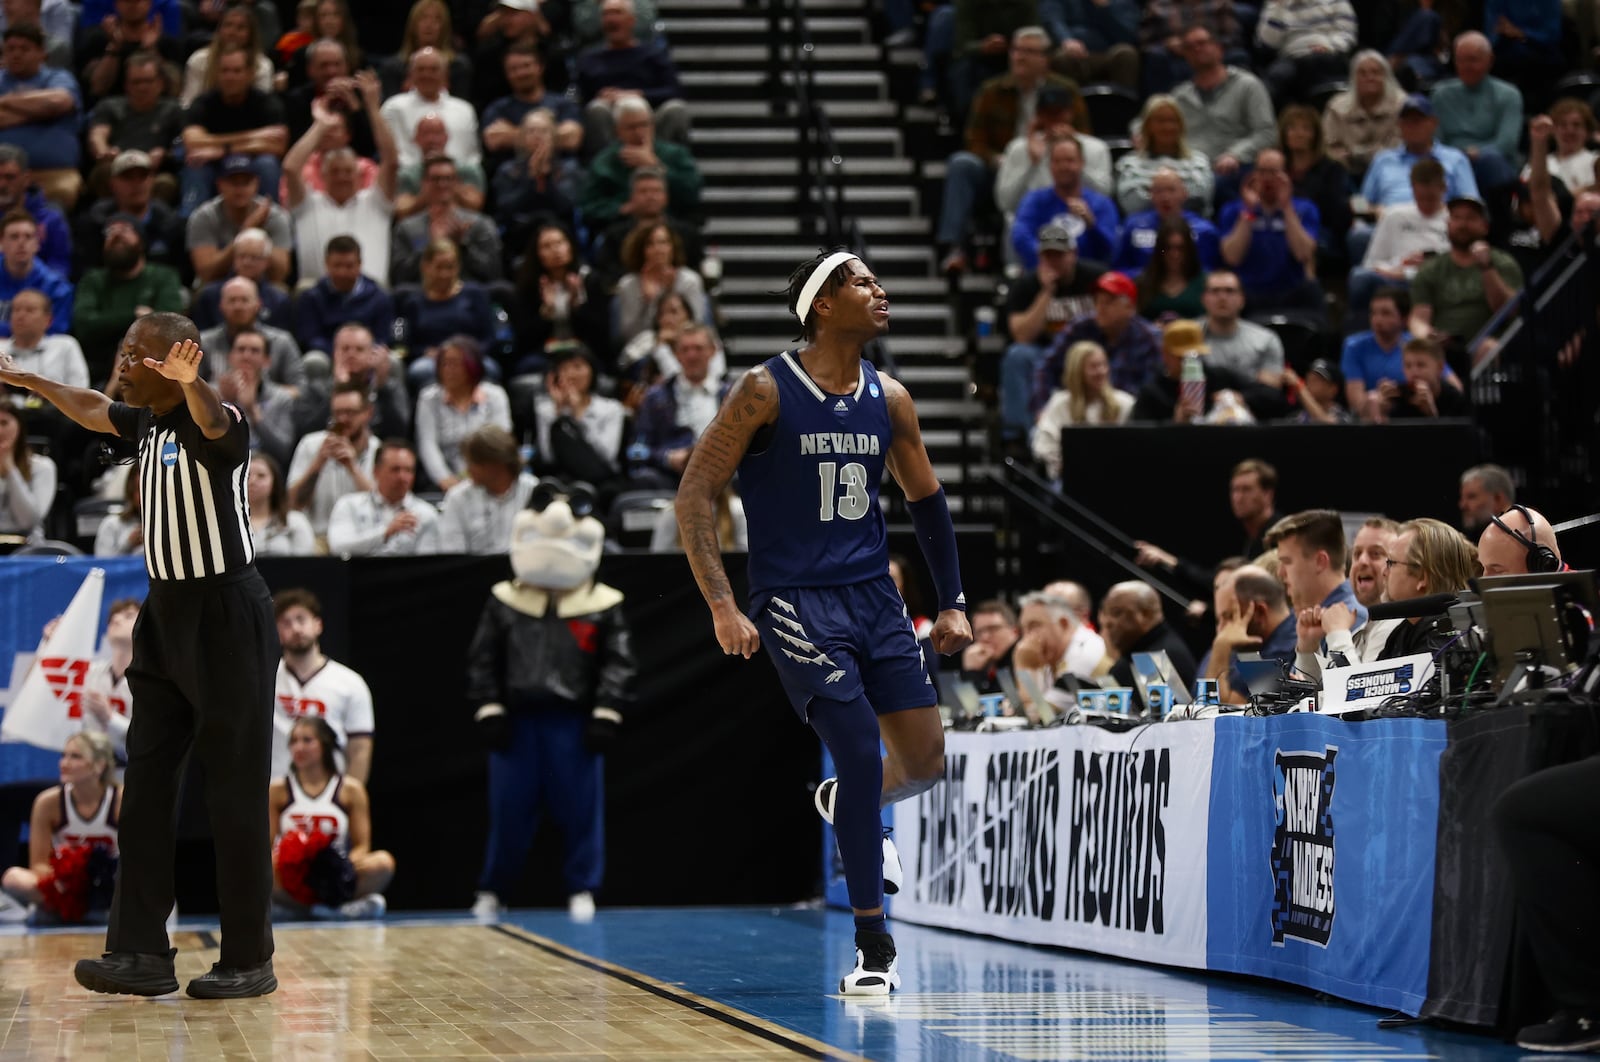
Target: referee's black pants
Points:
(205, 656)
(1549, 828)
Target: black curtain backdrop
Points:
(708, 789)
(1169, 484)
(1480, 973)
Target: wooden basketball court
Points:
(400, 991)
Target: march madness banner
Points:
(34, 590)
(1321, 858)
(1074, 836)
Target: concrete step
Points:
(863, 201)
(777, 259)
(729, 56)
(699, 29)
(729, 228)
(722, 84)
(670, 9)
(892, 169)
(715, 114)
(783, 141)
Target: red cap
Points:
(1117, 284)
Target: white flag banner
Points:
(48, 708)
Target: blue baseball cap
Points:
(1419, 103)
(234, 165)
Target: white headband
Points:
(819, 276)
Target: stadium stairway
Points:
(748, 158)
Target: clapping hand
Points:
(182, 363)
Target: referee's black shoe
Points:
(128, 973)
(234, 982)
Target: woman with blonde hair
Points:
(1159, 136)
(1365, 118)
(82, 809)
(236, 28)
(1086, 397)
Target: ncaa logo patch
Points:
(872, 389)
(169, 454)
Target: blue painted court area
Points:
(968, 997)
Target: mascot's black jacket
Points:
(537, 650)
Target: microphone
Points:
(1415, 608)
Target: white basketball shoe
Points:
(877, 972)
(893, 873)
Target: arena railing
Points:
(1534, 394)
(1023, 491)
(819, 175)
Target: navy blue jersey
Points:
(811, 496)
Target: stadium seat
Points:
(1303, 341)
(1112, 108)
(1321, 93)
(634, 515)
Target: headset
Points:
(1541, 558)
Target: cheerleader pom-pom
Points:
(64, 891)
(296, 851)
(332, 877)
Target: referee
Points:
(205, 651)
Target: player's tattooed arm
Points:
(751, 405)
(908, 459)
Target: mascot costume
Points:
(549, 674)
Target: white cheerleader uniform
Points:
(100, 830)
(317, 814)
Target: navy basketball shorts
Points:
(839, 642)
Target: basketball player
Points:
(309, 683)
(810, 433)
(204, 651)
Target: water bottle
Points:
(984, 319)
(1192, 384)
(399, 333)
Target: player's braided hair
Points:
(797, 281)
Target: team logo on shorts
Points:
(169, 454)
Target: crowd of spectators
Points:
(1289, 174)
(1298, 592)
(427, 265)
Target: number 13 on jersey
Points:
(850, 503)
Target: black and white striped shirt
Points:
(193, 503)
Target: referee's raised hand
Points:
(182, 363)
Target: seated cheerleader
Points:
(312, 802)
(72, 839)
